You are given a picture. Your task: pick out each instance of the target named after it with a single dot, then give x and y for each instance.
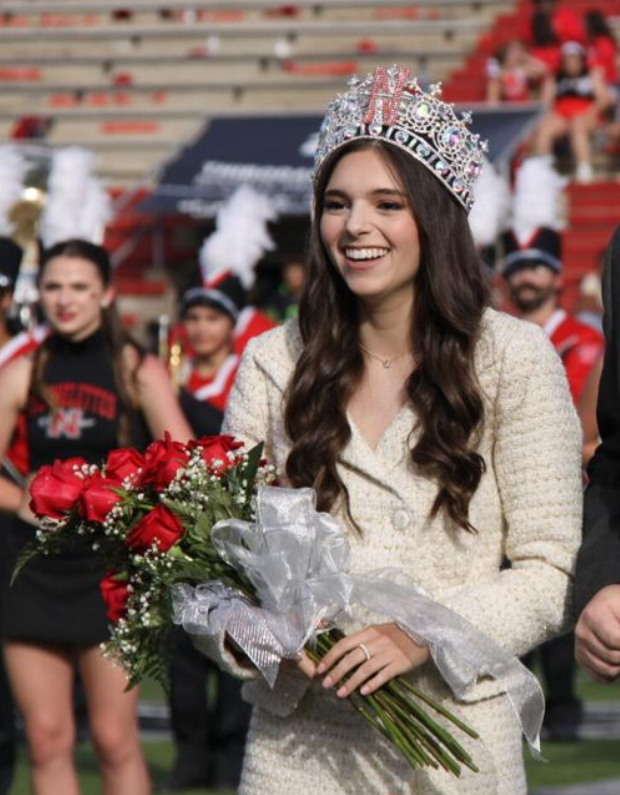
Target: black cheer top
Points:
(56, 599)
(84, 422)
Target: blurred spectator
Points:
(511, 72)
(282, 304)
(122, 15)
(552, 25)
(602, 49)
(287, 10)
(544, 45)
(578, 94)
(565, 23)
(31, 128)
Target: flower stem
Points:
(396, 714)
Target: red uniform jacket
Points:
(217, 388)
(250, 323)
(579, 346)
(21, 345)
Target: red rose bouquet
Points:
(151, 518)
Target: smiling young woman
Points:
(368, 229)
(439, 432)
(87, 389)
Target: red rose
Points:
(216, 448)
(160, 526)
(98, 498)
(115, 595)
(123, 463)
(161, 461)
(57, 488)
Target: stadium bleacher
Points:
(135, 81)
(153, 74)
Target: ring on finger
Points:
(364, 648)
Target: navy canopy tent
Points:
(274, 154)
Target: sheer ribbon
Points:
(298, 559)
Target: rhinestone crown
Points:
(389, 105)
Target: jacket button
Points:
(401, 519)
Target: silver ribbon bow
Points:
(297, 559)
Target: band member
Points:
(10, 260)
(533, 273)
(209, 733)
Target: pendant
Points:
(387, 364)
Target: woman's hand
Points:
(391, 652)
(304, 665)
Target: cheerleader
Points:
(87, 389)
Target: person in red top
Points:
(251, 322)
(565, 23)
(511, 74)
(228, 258)
(10, 260)
(15, 462)
(550, 26)
(602, 48)
(577, 94)
(533, 273)
(15, 465)
(209, 316)
(579, 345)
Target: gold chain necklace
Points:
(387, 363)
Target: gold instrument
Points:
(171, 354)
(25, 215)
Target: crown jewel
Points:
(389, 105)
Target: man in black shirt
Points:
(597, 634)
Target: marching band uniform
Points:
(16, 466)
(209, 737)
(250, 323)
(10, 261)
(216, 388)
(579, 347)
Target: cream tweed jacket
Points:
(527, 509)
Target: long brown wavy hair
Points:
(116, 339)
(450, 295)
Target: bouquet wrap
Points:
(297, 559)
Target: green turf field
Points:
(567, 763)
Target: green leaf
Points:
(29, 552)
(250, 468)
